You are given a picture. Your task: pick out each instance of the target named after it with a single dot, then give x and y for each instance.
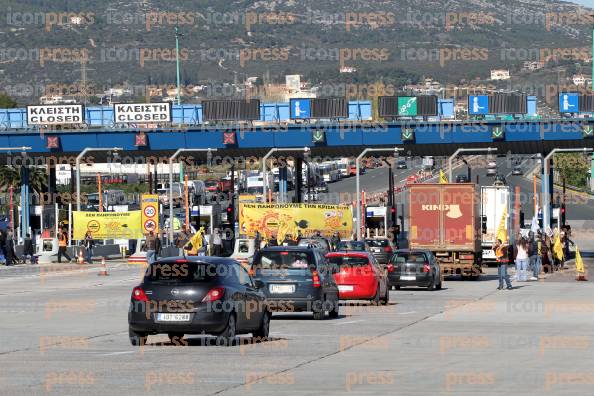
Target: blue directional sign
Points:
(568, 102)
(478, 104)
(300, 108)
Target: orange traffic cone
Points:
(80, 259)
(103, 272)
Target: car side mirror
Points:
(259, 284)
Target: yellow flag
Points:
(443, 179)
(579, 263)
(502, 230)
(558, 248)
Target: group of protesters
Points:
(532, 254)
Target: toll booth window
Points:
(244, 247)
(47, 245)
(283, 260)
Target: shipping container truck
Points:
(495, 203)
(443, 218)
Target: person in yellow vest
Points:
(62, 245)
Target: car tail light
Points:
(426, 268)
(214, 294)
(388, 249)
(390, 267)
(138, 294)
(316, 279)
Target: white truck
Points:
(495, 201)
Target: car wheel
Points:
(438, 287)
(264, 329)
(386, 298)
(335, 310)
(431, 286)
(137, 338)
(318, 310)
(228, 335)
(376, 298)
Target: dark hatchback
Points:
(297, 279)
(381, 248)
(197, 295)
(414, 268)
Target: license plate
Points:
(408, 277)
(345, 288)
(281, 289)
(375, 250)
(169, 317)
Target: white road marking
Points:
(406, 313)
(118, 353)
(349, 322)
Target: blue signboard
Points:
(478, 104)
(568, 102)
(300, 108)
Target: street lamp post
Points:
(358, 197)
(268, 155)
(464, 150)
(546, 198)
(78, 159)
(171, 159)
(177, 36)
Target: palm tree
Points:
(11, 176)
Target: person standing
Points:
(257, 241)
(522, 260)
(502, 257)
(182, 239)
(9, 248)
(151, 247)
(566, 241)
(62, 246)
(533, 251)
(538, 260)
(28, 250)
(217, 243)
(3, 244)
(89, 245)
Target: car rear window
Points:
(283, 260)
(347, 261)
(359, 246)
(186, 272)
(377, 242)
(410, 258)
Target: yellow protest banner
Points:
(150, 213)
(278, 220)
(107, 225)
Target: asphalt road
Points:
(66, 334)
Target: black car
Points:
(462, 179)
(351, 246)
(297, 278)
(414, 268)
(381, 248)
(197, 295)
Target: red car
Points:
(359, 276)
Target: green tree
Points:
(573, 167)
(6, 102)
(12, 176)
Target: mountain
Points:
(46, 42)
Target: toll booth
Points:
(376, 221)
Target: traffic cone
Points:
(103, 272)
(80, 259)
